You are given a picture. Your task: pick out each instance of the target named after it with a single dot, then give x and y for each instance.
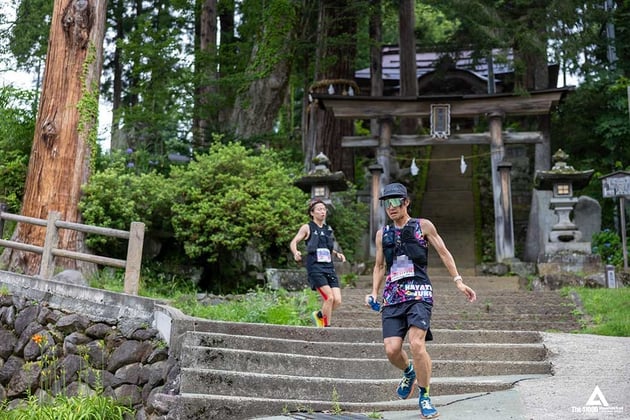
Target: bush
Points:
(232, 199)
(117, 196)
(349, 219)
(211, 212)
(607, 245)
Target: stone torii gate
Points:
(493, 106)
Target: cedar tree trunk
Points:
(65, 132)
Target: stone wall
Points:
(46, 351)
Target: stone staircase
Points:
(449, 203)
(244, 371)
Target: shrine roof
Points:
(427, 62)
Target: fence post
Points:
(3, 208)
(134, 258)
(47, 265)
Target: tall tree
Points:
(257, 105)
(336, 52)
(407, 45)
(156, 112)
(65, 132)
(375, 30)
(206, 72)
(117, 23)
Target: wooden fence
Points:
(132, 264)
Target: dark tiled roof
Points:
(429, 61)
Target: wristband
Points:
(457, 278)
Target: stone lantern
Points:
(320, 182)
(563, 180)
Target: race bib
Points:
(401, 268)
(323, 255)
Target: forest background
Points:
(210, 111)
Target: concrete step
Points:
(288, 387)
(439, 317)
(548, 326)
(497, 311)
(237, 407)
(371, 350)
(310, 366)
(357, 335)
(449, 203)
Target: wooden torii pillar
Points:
(496, 107)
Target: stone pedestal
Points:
(289, 279)
(569, 268)
(570, 261)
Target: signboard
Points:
(616, 185)
(440, 121)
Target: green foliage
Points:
(117, 196)
(258, 306)
(349, 219)
(607, 245)
(28, 37)
(68, 408)
(213, 210)
(595, 139)
(17, 128)
(432, 26)
(233, 198)
(609, 310)
(156, 98)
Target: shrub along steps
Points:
(240, 371)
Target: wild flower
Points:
(39, 339)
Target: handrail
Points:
(132, 264)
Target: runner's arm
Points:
(378, 274)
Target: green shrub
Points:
(607, 245)
(233, 198)
(208, 213)
(117, 196)
(350, 219)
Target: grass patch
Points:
(259, 306)
(262, 305)
(607, 310)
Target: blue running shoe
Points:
(427, 411)
(407, 383)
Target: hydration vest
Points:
(319, 246)
(406, 254)
(409, 241)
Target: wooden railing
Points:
(132, 264)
